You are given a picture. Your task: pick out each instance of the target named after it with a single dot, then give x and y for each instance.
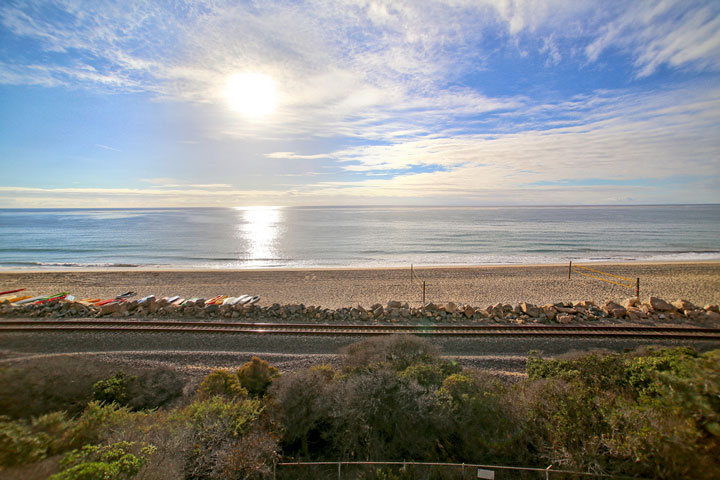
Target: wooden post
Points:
(339, 474)
(637, 288)
(569, 269)
(423, 293)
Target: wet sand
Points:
(334, 288)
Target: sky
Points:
(388, 102)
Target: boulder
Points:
(450, 307)
(378, 311)
(469, 311)
(614, 309)
(586, 304)
(632, 302)
(431, 307)
(634, 314)
(549, 310)
(152, 305)
(394, 304)
(375, 307)
(660, 305)
(108, 308)
(530, 309)
(565, 318)
(682, 304)
(712, 308)
(495, 310)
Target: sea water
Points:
(306, 237)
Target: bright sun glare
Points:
(251, 94)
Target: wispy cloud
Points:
(297, 156)
(105, 147)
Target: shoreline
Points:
(18, 271)
(698, 282)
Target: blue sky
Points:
(453, 102)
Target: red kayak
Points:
(12, 291)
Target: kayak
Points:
(145, 299)
(241, 300)
(11, 291)
(57, 296)
(23, 299)
(216, 300)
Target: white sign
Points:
(486, 474)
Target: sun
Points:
(251, 94)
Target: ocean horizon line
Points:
(183, 207)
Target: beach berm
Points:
(698, 283)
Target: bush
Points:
(381, 414)
(37, 387)
(19, 444)
(216, 424)
(154, 388)
(256, 376)
(431, 375)
(113, 389)
(103, 462)
(222, 382)
(653, 413)
(302, 404)
(396, 351)
(23, 441)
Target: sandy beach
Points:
(333, 288)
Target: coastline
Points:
(698, 282)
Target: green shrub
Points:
(38, 386)
(23, 441)
(649, 413)
(381, 414)
(256, 376)
(222, 382)
(154, 388)
(216, 425)
(302, 402)
(396, 351)
(103, 462)
(114, 389)
(19, 444)
(431, 375)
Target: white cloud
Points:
(297, 156)
(392, 73)
(675, 33)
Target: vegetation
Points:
(653, 413)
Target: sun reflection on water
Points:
(260, 228)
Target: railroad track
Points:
(361, 330)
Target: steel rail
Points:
(696, 333)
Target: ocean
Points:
(348, 237)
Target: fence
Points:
(414, 279)
(632, 283)
(359, 470)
